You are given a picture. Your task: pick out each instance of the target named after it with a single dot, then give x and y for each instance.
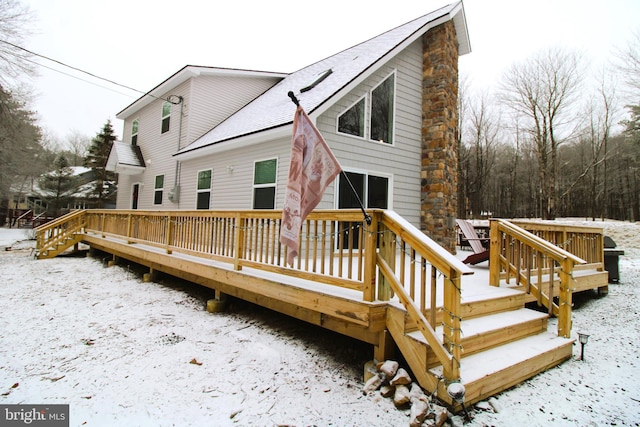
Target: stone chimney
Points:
(439, 177)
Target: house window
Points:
(134, 131)
(382, 103)
(203, 192)
(158, 190)
(264, 184)
(351, 121)
(372, 190)
(166, 117)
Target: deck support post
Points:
(150, 276)
(565, 298)
(494, 253)
(451, 324)
(169, 229)
(238, 244)
(129, 222)
(113, 261)
(388, 253)
(385, 348)
(369, 291)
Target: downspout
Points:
(176, 180)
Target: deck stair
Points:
(59, 235)
(499, 348)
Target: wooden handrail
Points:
(415, 248)
(519, 254)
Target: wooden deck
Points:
(385, 284)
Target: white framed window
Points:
(134, 131)
(373, 115)
(158, 190)
(166, 117)
(372, 189)
(203, 190)
(264, 183)
(352, 121)
(383, 110)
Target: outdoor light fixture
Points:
(583, 338)
(456, 391)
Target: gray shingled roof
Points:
(274, 108)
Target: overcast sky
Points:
(139, 43)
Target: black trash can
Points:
(611, 259)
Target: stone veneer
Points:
(438, 176)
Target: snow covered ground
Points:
(123, 352)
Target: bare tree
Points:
(543, 90)
(15, 20)
(78, 147)
(481, 141)
(629, 63)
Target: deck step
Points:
(482, 333)
(492, 371)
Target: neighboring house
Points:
(29, 200)
(212, 138)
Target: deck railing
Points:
(535, 264)
(387, 258)
(54, 232)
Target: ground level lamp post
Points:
(583, 338)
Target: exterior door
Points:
(134, 196)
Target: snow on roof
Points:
(123, 154)
(274, 108)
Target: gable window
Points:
(166, 117)
(134, 131)
(203, 192)
(264, 184)
(158, 190)
(382, 103)
(351, 121)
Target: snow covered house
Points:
(217, 138)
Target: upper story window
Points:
(352, 121)
(381, 114)
(158, 190)
(382, 111)
(166, 117)
(203, 196)
(134, 131)
(264, 184)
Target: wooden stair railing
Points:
(55, 236)
(405, 255)
(536, 265)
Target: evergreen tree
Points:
(97, 160)
(57, 186)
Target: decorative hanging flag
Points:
(313, 166)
